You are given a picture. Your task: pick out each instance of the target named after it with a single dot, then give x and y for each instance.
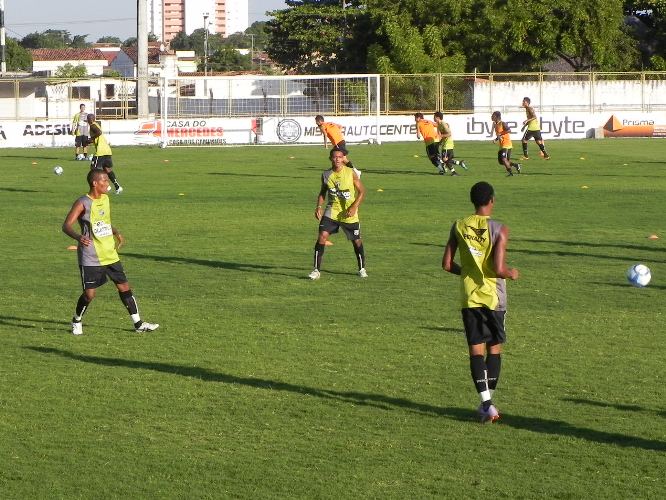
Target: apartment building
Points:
(167, 18)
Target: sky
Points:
(95, 19)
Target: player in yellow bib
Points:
(446, 143)
(80, 130)
(102, 159)
(333, 132)
(343, 192)
(533, 127)
(482, 243)
(98, 241)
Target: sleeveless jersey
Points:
(533, 125)
(447, 142)
(341, 194)
(427, 130)
(102, 147)
(480, 287)
(95, 222)
(505, 138)
(333, 131)
(80, 123)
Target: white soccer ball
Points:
(58, 170)
(639, 275)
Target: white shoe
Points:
(362, 273)
(90, 157)
(80, 157)
(146, 327)
(489, 416)
(77, 328)
(358, 172)
(108, 189)
(119, 190)
(314, 275)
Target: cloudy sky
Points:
(95, 19)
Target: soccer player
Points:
(428, 131)
(98, 242)
(503, 137)
(446, 143)
(343, 192)
(80, 129)
(333, 132)
(482, 242)
(533, 131)
(102, 159)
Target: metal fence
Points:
(256, 96)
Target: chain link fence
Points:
(335, 95)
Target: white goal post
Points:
(244, 105)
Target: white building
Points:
(47, 61)
(167, 18)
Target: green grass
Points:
(262, 384)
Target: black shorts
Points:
(529, 134)
(81, 141)
(483, 326)
(101, 162)
(448, 154)
(503, 153)
(341, 146)
(352, 230)
(95, 276)
(432, 150)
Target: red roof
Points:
(67, 55)
(153, 54)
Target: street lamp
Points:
(205, 16)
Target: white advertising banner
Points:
(302, 130)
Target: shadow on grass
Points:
(257, 175)
(624, 246)
(604, 404)
(380, 401)
(18, 322)
(32, 157)
(446, 329)
(18, 190)
(625, 284)
(563, 253)
(233, 266)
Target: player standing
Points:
(533, 131)
(343, 192)
(97, 251)
(482, 244)
(80, 129)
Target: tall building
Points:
(167, 18)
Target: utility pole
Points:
(3, 69)
(251, 35)
(142, 58)
(205, 16)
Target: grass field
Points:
(263, 384)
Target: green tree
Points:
(227, 58)
(647, 23)
(17, 57)
(70, 71)
(195, 42)
(79, 42)
(49, 39)
(110, 39)
(132, 41)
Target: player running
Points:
(333, 132)
(503, 137)
(533, 131)
(428, 131)
(446, 143)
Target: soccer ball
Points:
(639, 275)
(58, 170)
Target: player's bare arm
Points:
(499, 257)
(360, 195)
(67, 226)
(320, 201)
(448, 264)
